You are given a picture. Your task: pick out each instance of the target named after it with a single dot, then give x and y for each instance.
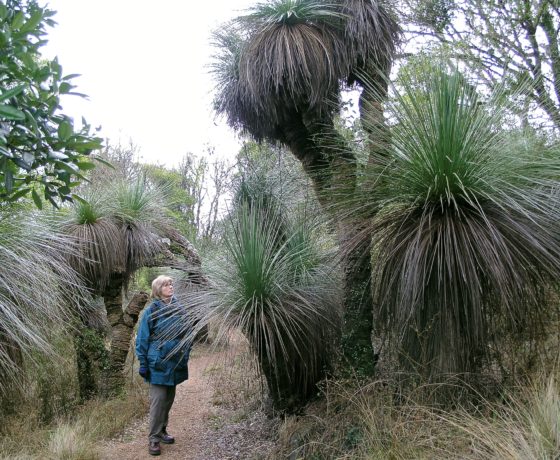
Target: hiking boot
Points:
(153, 448)
(166, 438)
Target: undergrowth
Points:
(72, 437)
(369, 421)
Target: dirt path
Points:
(202, 429)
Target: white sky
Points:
(143, 66)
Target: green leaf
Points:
(71, 76)
(6, 153)
(65, 87)
(52, 201)
(9, 180)
(12, 92)
(33, 22)
(3, 11)
(79, 198)
(68, 167)
(85, 165)
(32, 122)
(103, 162)
(29, 62)
(36, 199)
(74, 93)
(83, 143)
(11, 113)
(18, 21)
(65, 130)
(28, 158)
(20, 193)
(57, 155)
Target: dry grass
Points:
(368, 422)
(235, 376)
(240, 427)
(526, 426)
(71, 438)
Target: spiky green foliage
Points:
(135, 201)
(274, 281)
(98, 238)
(87, 212)
(38, 289)
(139, 209)
(279, 293)
(465, 239)
(115, 231)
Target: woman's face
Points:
(167, 291)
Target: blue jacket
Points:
(165, 357)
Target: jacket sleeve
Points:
(143, 338)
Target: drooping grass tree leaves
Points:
(280, 70)
(39, 291)
(465, 236)
(42, 154)
(275, 283)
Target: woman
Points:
(163, 360)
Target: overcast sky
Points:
(143, 65)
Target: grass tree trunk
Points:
(11, 359)
(91, 357)
(354, 235)
(122, 323)
(291, 381)
(113, 298)
(333, 172)
(285, 393)
(356, 340)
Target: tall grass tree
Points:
(116, 232)
(280, 73)
(465, 236)
(274, 281)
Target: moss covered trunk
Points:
(356, 340)
(122, 323)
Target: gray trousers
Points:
(161, 400)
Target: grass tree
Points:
(116, 233)
(274, 282)
(39, 291)
(465, 235)
(280, 72)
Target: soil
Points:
(204, 427)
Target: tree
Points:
(41, 152)
(193, 172)
(178, 201)
(39, 290)
(514, 41)
(275, 282)
(279, 77)
(119, 229)
(465, 240)
(207, 182)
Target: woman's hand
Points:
(144, 372)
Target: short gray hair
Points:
(158, 284)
